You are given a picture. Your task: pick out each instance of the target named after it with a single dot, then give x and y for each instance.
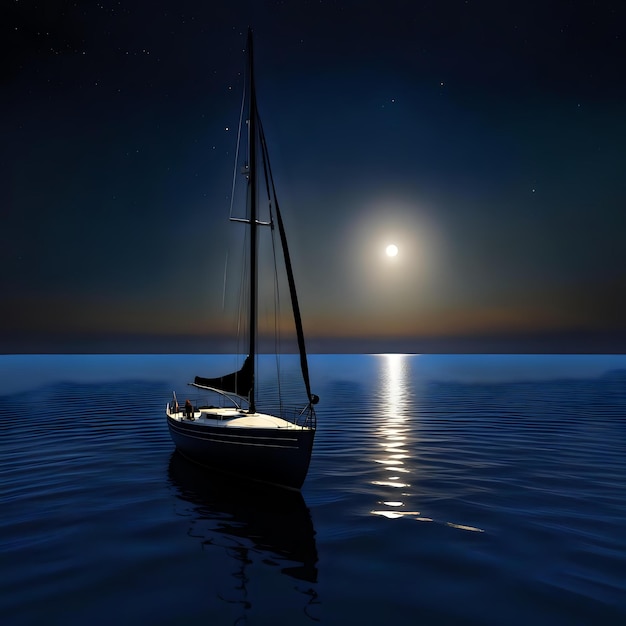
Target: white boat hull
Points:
(258, 446)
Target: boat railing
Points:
(304, 417)
(199, 402)
(233, 398)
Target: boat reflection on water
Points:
(251, 517)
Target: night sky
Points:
(487, 140)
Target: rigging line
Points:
(232, 190)
(277, 338)
(304, 366)
(242, 295)
(224, 285)
(277, 309)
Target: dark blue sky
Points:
(486, 139)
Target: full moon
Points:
(391, 250)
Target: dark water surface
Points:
(442, 490)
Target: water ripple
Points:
(517, 483)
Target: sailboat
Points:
(232, 435)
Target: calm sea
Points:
(442, 490)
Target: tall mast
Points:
(253, 221)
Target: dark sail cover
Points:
(238, 383)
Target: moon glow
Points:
(391, 250)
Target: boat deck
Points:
(233, 418)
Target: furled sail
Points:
(239, 383)
(313, 399)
